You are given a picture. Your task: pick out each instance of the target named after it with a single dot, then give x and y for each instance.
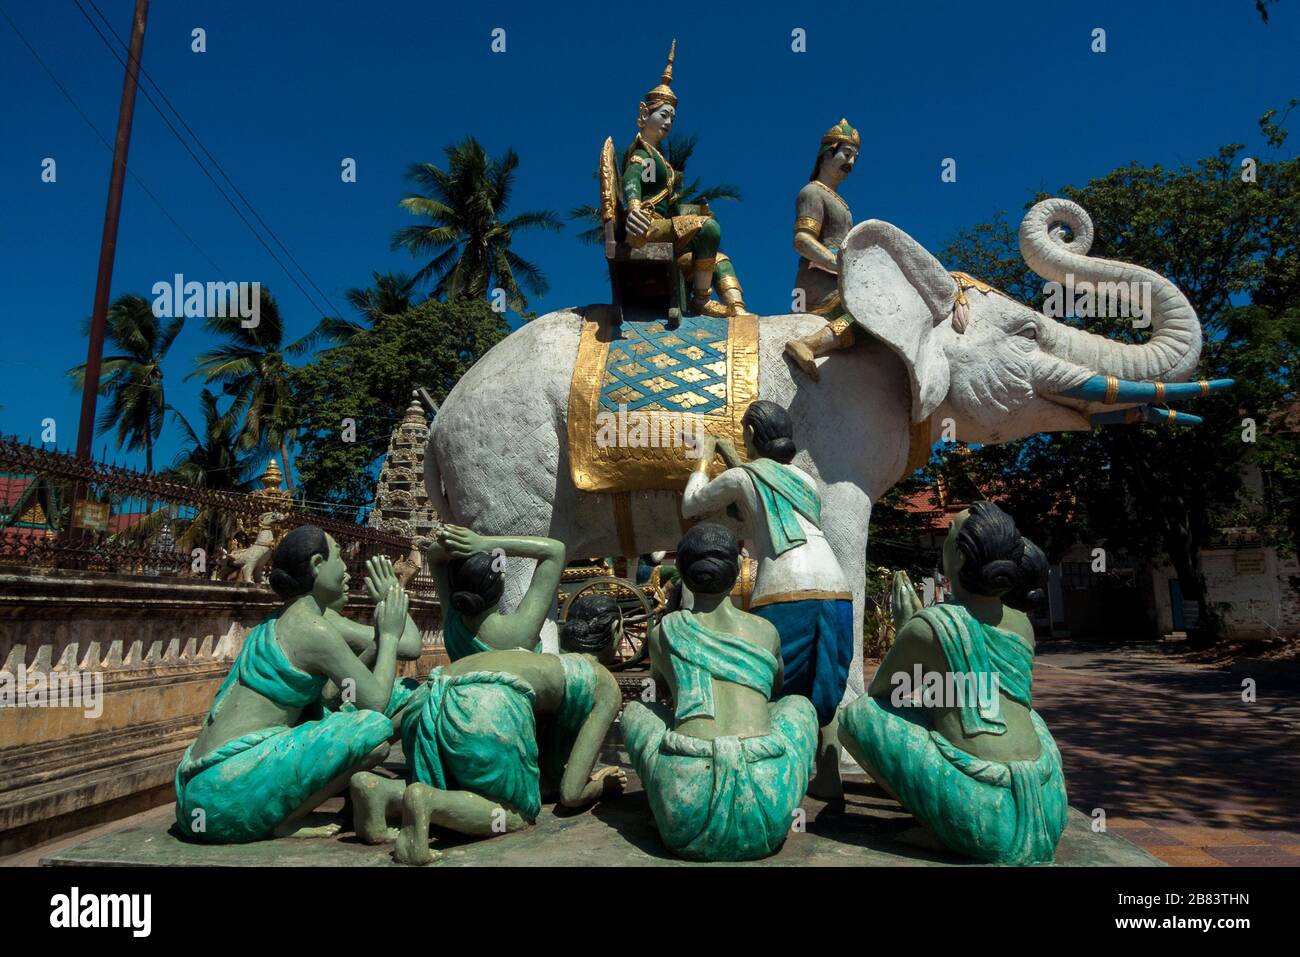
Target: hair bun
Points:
(282, 583)
(467, 602)
(781, 449)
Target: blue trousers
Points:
(816, 647)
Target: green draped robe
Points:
(732, 798)
(1000, 812)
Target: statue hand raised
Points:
(460, 542)
(390, 613)
(903, 600)
(380, 576)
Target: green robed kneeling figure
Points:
(270, 751)
(966, 753)
(488, 737)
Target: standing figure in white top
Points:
(799, 587)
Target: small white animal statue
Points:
(249, 564)
(498, 461)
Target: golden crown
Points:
(663, 93)
(841, 132)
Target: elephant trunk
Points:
(1175, 344)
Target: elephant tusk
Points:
(1144, 413)
(1110, 390)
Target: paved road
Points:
(1182, 766)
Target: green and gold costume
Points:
(651, 184)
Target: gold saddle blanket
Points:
(642, 393)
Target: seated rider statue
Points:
(650, 194)
(821, 222)
(724, 768)
(491, 736)
(268, 752)
(799, 586)
(471, 566)
(966, 753)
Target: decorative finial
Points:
(663, 93)
(271, 478)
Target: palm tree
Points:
(252, 367)
(472, 244)
(214, 460)
(132, 379)
(390, 295)
(677, 150)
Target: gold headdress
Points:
(841, 132)
(663, 93)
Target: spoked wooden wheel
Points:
(638, 615)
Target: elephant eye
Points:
(1029, 332)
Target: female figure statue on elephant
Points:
(725, 768)
(965, 752)
(654, 214)
(269, 752)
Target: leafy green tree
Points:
(469, 242)
(677, 150)
(252, 366)
(1232, 245)
(213, 460)
(132, 378)
(391, 295)
(369, 380)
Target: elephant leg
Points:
(846, 513)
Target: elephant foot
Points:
(802, 354)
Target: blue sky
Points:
(286, 90)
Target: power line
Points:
(238, 192)
(107, 145)
(202, 167)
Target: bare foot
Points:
(799, 351)
(415, 853)
(368, 802)
(311, 826)
(614, 780)
(413, 839)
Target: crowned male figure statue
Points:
(650, 193)
(822, 220)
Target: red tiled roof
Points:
(12, 488)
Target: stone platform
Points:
(868, 828)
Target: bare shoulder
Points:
(917, 631)
(311, 640)
(762, 632)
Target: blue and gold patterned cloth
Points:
(640, 387)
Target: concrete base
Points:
(867, 829)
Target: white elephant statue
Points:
(498, 461)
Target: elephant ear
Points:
(902, 296)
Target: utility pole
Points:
(108, 244)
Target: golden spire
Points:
(271, 478)
(663, 93)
